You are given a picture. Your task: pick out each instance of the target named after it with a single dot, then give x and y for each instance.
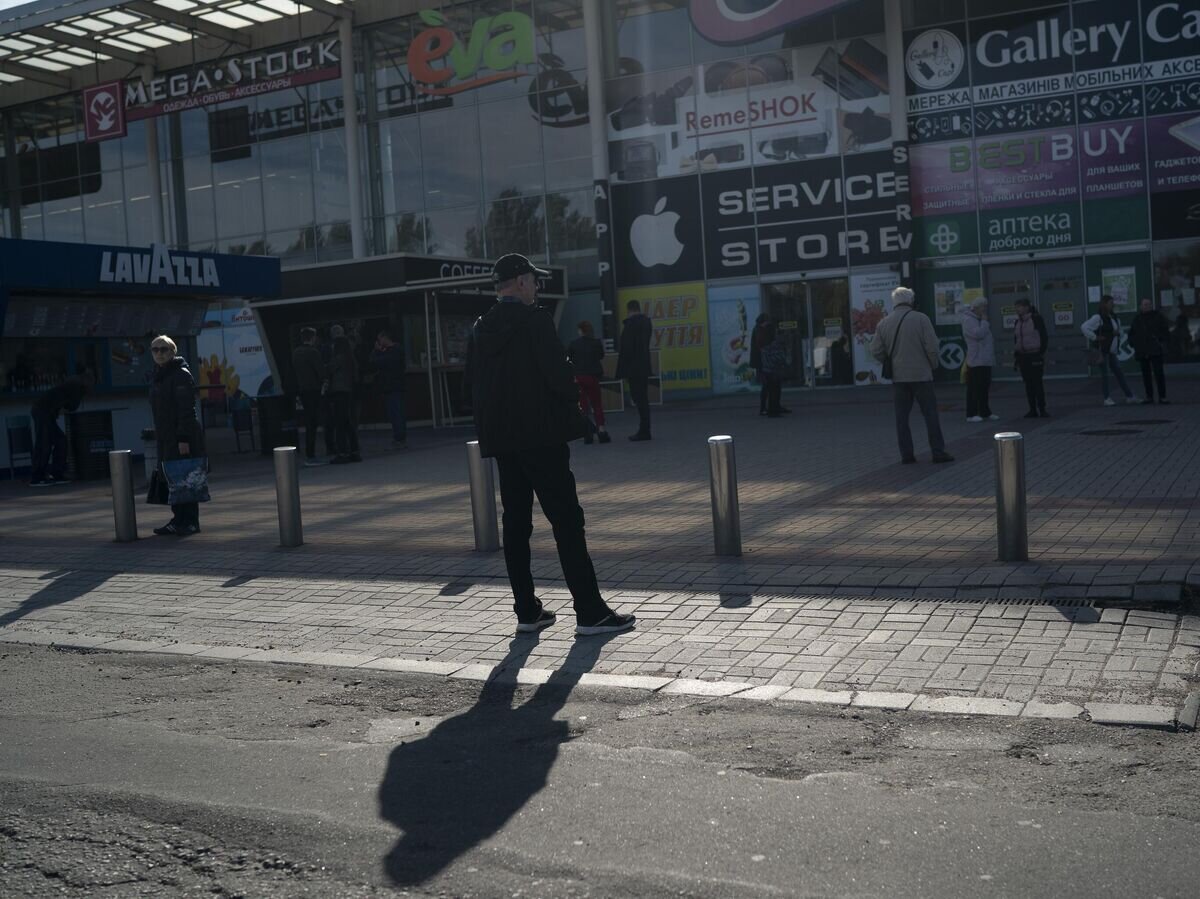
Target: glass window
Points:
(245, 245)
(512, 149)
(572, 229)
(238, 193)
(280, 114)
(405, 233)
(193, 133)
(63, 209)
(198, 201)
(287, 183)
(400, 164)
(104, 211)
(560, 33)
(919, 13)
(333, 242)
(454, 232)
(326, 108)
(32, 225)
(451, 150)
(652, 34)
(297, 247)
(566, 137)
(137, 202)
(648, 119)
(516, 225)
(331, 177)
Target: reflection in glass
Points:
(572, 230)
(512, 149)
(63, 211)
(652, 34)
(104, 211)
(238, 193)
(400, 163)
(287, 183)
(331, 176)
(448, 231)
(293, 248)
(198, 200)
(514, 225)
(451, 149)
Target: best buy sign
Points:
(444, 63)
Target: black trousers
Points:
(773, 385)
(1160, 376)
(979, 382)
(904, 393)
(764, 394)
(345, 434)
(639, 391)
(49, 447)
(1033, 371)
(546, 473)
(313, 404)
(186, 513)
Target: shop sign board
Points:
(659, 239)
(103, 112)
(1174, 143)
(1121, 285)
(494, 48)
(679, 316)
(1064, 314)
(948, 302)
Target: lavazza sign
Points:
(158, 267)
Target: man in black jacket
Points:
(633, 364)
(392, 368)
(526, 408)
(49, 442)
(1029, 349)
(309, 368)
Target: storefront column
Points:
(154, 170)
(593, 30)
(350, 124)
(897, 88)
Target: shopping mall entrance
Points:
(814, 318)
(1056, 289)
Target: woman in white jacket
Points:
(981, 357)
(1103, 332)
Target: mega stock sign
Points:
(234, 78)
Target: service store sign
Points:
(108, 107)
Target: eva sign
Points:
(657, 239)
(444, 63)
(103, 112)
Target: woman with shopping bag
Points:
(181, 479)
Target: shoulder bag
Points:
(887, 362)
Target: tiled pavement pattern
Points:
(1017, 652)
(825, 506)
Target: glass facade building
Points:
(797, 158)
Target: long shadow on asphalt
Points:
(463, 782)
(62, 586)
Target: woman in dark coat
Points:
(763, 334)
(176, 427)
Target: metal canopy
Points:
(47, 41)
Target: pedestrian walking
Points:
(981, 358)
(764, 333)
(1029, 353)
(907, 345)
(309, 369)
(586, 353)
(1149, 335)
(343, 376)
(1103, 331)
(177, 429)
(391, 366)
(49, 459)
(774, 367)
(526, 408)
(633, 364)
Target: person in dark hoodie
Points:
(526, 407)
(1149, 335)
(176, 427)
(586, 353)
(49, 462)
(633, 364)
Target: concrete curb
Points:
(1113, 714)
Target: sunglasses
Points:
(160, 349)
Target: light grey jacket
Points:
(981, 348)
(914, 349)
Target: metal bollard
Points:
(120, 468)
(287, 493)
(1012, 532)
(483, 500)
(727, 519)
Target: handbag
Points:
(158, 492)
(1094, 356)
(187, 480)
(887, 361)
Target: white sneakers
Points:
(975, 419)
(1109, 401)
(1130, 400)
(993, 418)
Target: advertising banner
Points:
(870, 301)
(658, 238)
(679, 314)
(1113, 180)
(1174, 143)
(732, 310)
(948, 302)
(944, 201)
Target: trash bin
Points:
(89, 440)
(277, 423)
(150, 450)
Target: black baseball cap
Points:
(513, 265)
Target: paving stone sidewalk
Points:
(1004, 658)
(825, 505)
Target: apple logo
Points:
(653, 237)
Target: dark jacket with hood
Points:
(173, 405)
(521, 385)
(1149, 334)
(586, 354)
(633, 360)
(67, 395)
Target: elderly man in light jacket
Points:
(908, 338)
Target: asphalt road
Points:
(135, 775)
